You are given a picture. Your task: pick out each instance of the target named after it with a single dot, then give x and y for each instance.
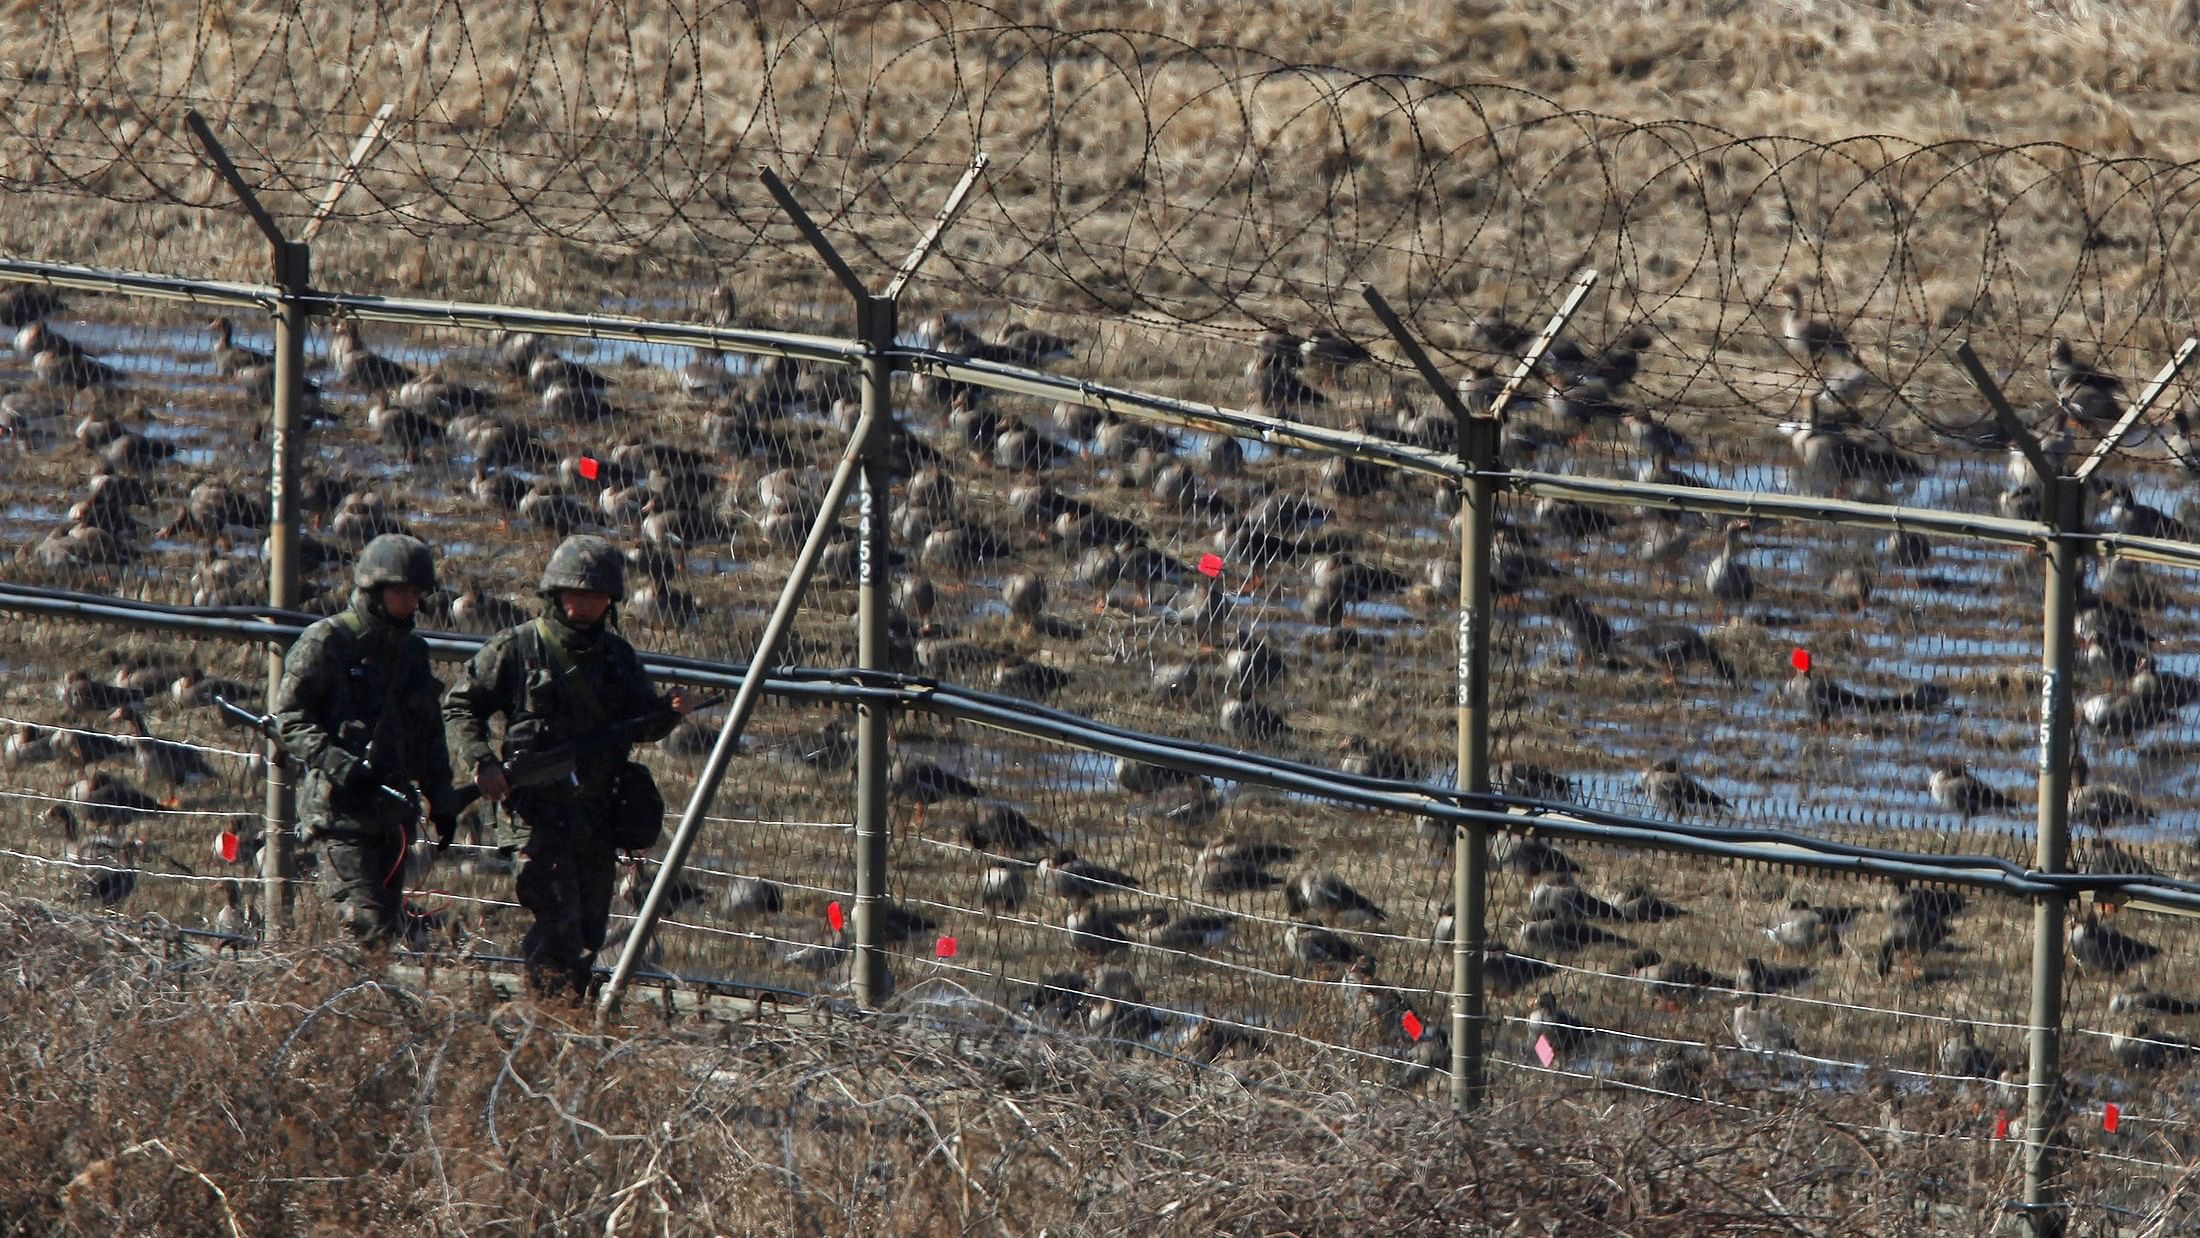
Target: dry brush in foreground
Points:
(153, 1089)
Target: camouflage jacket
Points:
(358, 688)
(547, 702)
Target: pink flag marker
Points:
(1210, 565)
(1412, 1023)
(1544, 1053)
(833, 917)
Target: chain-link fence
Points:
(1176, 640)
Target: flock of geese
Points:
(988, 491)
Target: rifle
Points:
(265, 725)
(542, 767)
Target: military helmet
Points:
(395, 559)
(588, 563)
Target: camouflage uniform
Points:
(357, 688)
(569, 866)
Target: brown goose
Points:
(1065, 875)
(1819, 340)
(361, 368)
(108, 800)
(162, 762)
(229, 356)
(59, 362)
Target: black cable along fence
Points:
(1227, 550)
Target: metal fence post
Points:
(873, 720)
(294, 273)
(1477, 439)
(293, 265)
(2043, 1097)
(2063, 507)
(1470, 863)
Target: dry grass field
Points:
(1163, 187)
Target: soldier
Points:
(357, 711)
(565, 678)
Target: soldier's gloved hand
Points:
(443, 816)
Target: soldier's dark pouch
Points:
(637, 808)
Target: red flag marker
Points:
(1544, 1053)
(2001, 1124)
(833, 918)
(225, 846)
(2112, 1116)
(944, 947)
(1210, 565)
(1800, 660)
(589, 467)
(1412, 1024)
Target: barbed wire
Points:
(1458, 198)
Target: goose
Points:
(27, 745)
(2097, 947)
(566, 402)
(1805, 928)
(1960, 1055)
(1563, 1031)
(1758, 1030)
(1532, 857)
(1918, 931)
(2100, 804)
(2086, 392)
(1758, 976)
(361, 368)
(1819, 340)
(1651, 966)
(680, 896)
(433, 393)
(1557, 897)
(113, 878)
(1728, 579)
(1673, 647)
(2141, 1047)
(1064, 875)
(548, 370)
(1314, 946)
(749, 897)
(1959, 791)
(237, 919)
(162, 761)
(1568, 935)
(1001, 830)
(1002, 887)
(1835, 460)
(1664, 785)
(1505, 972)
(1827, 699)
(1320, 893)
(231, 357)
(1637, 905)
(59, 362)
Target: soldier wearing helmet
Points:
(566, 677)
(357, 710)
